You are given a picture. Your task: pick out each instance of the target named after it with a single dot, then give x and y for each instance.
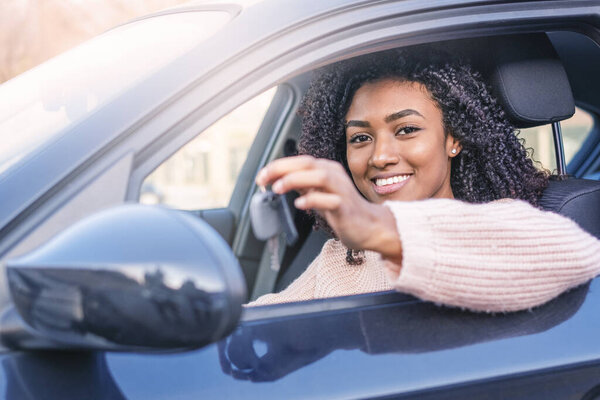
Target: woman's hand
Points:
(325, 187)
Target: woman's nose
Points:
(385, 152)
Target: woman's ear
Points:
(453, 146)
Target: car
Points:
(104, 297)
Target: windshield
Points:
(43, 101)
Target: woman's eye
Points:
(407, 130)
(359, 138)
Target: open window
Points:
(578, 132)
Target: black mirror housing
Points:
(132, 277)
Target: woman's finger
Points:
(318, 201)
(282, 166)
(321, 179)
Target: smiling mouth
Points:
(391, 184)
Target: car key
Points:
(270, 216)
(266, 223)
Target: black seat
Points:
(578, 199)
(529, 80)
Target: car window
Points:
(574, 131)
(203, 173)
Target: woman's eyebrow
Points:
(360, 124)
(389, 118)
(402, 114)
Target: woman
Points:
(392, 142)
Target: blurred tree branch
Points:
(32, 31)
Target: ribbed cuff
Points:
(418, 249)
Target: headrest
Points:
(528, 79)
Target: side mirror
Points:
(129, 278)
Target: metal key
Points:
(270, 216)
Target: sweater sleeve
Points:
(499, 256)
(303, 288)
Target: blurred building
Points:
(540, 139)
(202, 174)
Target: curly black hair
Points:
(493, 162)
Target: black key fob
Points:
(287, 221)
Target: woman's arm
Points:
(499, 256)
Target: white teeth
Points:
(392, 180)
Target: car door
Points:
(381, 346)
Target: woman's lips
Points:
(386, 189)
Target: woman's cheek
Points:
(422, 157)
(418, 153)
(358, 166)
(429, 159)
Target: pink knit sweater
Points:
(499, 256)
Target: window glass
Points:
(203, 173)
(574, 130)
(41, 102)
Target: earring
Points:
(453, 151)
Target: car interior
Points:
(538, 78)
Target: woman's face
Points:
(395, 143)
